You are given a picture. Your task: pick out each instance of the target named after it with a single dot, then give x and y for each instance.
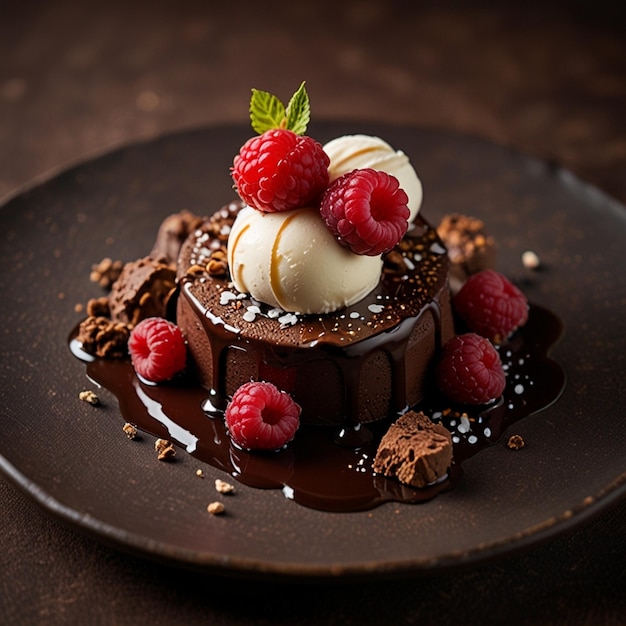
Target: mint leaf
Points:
(298, 111)
(266, 111)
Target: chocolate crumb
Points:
(172, 232)
(98, 307)
(106, 272)
(216, 508)
(216, 267)
(223, 487)
(414, 450)
(515, 442)
(90, 397)
(130, 430)
(165, 450)
(142, 290)
(470, 248)
(102, 337)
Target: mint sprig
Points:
(268, 112)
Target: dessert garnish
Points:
(414, 450)
(261, 417)
(491, 305)
(282, 168)
(469, 370)
(471, 248)
(157, 349)
(367, 211)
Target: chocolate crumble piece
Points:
(130, 430)
(222, 486)
(98, 307)
(90, 397)
(142, 290)
(216, 508)
(106, 272)
(515, 442)
(165, 450)
(414, 450)
(172, 233)
(470, 248)
(102, 337)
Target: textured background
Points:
(78, 78)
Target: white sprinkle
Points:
(375, 308)
(417, 257)
(254, 309)
(464, 426)
(288, 320)
(455, 439)
(274, 313)
(472, 439)
(354, 315)
(226, 297)
(519, 389)
(409, 263)
(249, 316)
(487, 432)
(530, 260)
(437, 248)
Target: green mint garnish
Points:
(267, 111)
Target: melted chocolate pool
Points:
(313, 470)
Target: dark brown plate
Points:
(74, 460)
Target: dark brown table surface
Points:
(79, 78)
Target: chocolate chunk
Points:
(102, 337)
(142, 290)
(470, 248)
(106, 272)
(172, 233)
(414, 450)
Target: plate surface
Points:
(74, 460)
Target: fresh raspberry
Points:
(280, 170)
(366, 210)
(491, 306)
(469, 370)
(157, 349)
(262, 417)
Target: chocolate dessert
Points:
(370, 359)
(314, 311)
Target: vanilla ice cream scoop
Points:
(351, 152)
(292, 261)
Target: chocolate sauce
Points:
(313, 470)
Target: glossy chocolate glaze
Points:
(313, 470)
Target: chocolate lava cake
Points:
(359, 364)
